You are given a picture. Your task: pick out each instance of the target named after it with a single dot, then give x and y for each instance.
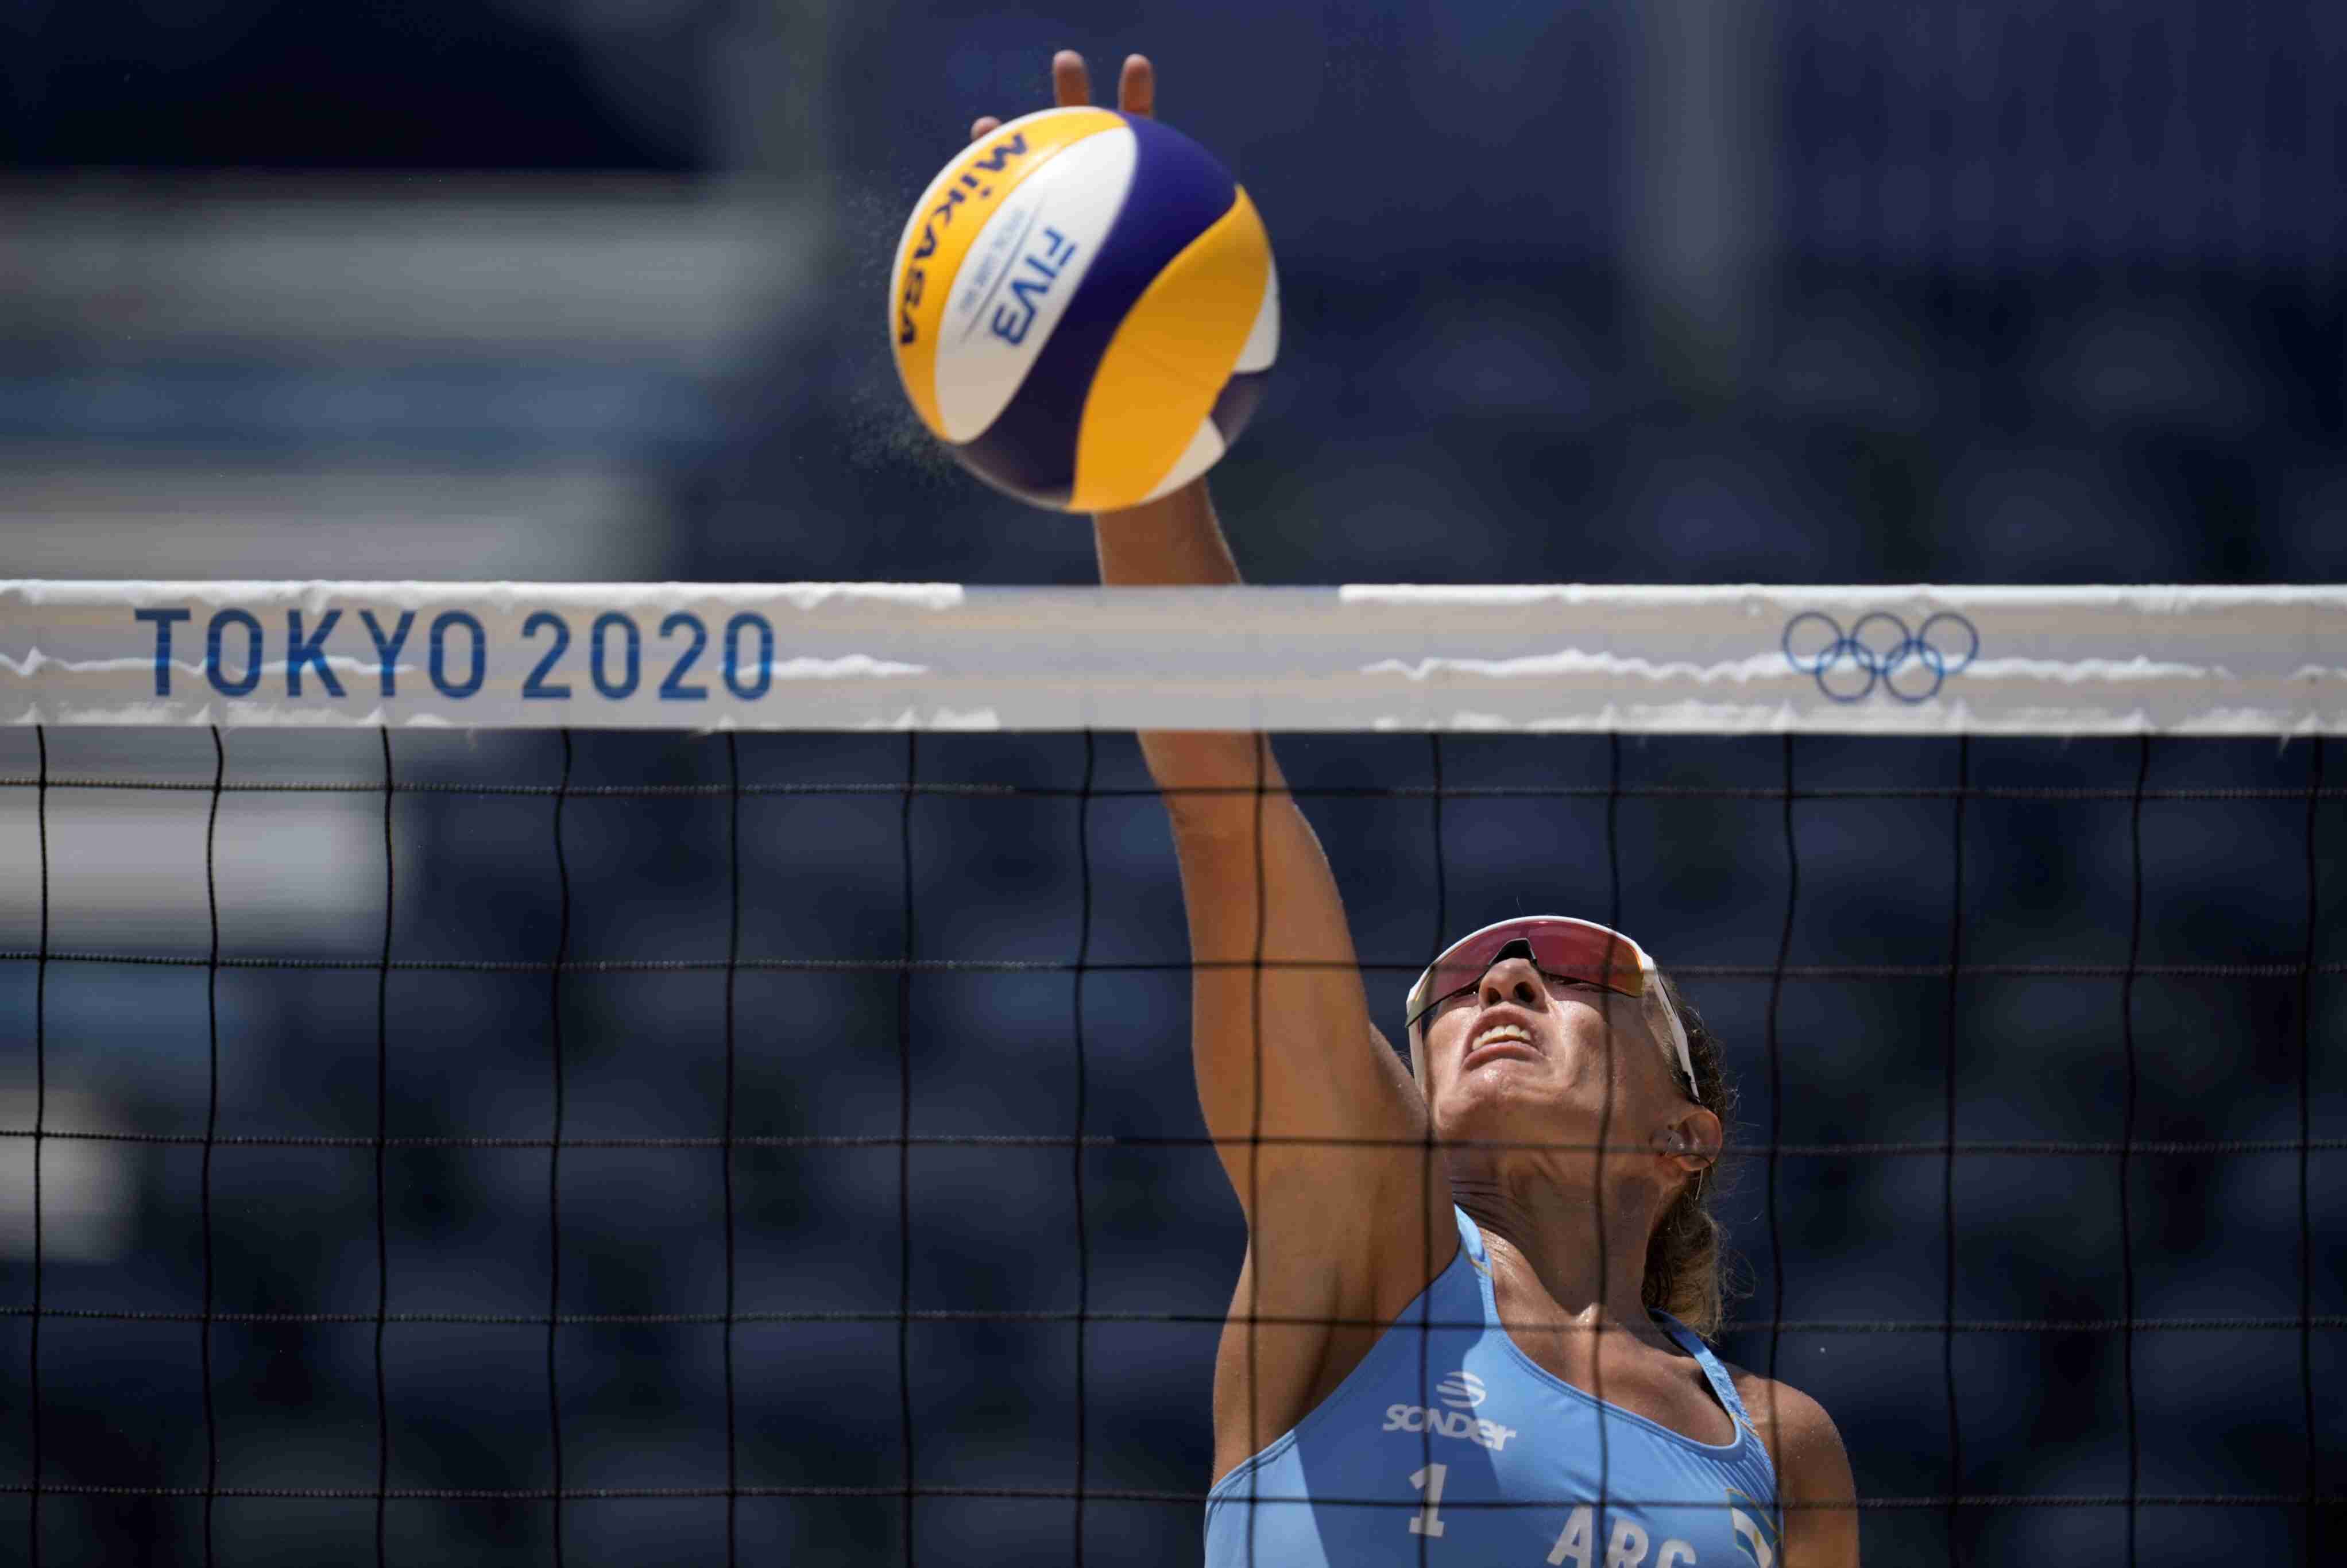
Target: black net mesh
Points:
(616, 1148)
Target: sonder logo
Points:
(1462, 1390)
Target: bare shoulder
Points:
(1813, 1476)
(1795, 1426)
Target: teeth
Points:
(1501, 1032)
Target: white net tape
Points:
(1721, 661)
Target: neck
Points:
(1586, 1250)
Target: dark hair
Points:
(1688, 1263)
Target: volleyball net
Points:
(675, 1073)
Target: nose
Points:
(1512, 979)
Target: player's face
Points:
(1529, 1057)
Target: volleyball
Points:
(1084, 309)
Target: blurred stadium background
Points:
(1685, 291)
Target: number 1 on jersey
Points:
(1430, 1481)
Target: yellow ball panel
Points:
(1168, 361)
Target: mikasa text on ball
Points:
(1084, 309)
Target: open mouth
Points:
(1501, 1039)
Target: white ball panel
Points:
(1263, 338)
(1021, 271)
(1205, 450)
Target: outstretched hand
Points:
(1072, 84)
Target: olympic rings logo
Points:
(1880, 650)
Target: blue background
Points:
(2024, 295)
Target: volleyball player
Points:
(1445, 1270)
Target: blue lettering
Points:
(907, 330)
(1001, 153)
(387, 648)
(1030, 290)
(252, 676)
(1015, 316)
(437, 668)
(633, 668)
(538, 687)
(162, 620)
(676, 688)
(309, 651)
(747, 691)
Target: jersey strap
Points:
(1715, 1372)
(1721, 1383)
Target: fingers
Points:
(1071, 82)
(1136, 90)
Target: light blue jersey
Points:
(1447, 1445)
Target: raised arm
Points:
(1282, 1039)
(1319, 1125)
(1282, 1042)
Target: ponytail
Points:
(1688, 1263)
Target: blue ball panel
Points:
(1178, 191)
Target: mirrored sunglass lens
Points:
(1451, 974)
(1596, 958)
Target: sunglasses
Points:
(1562, 948)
